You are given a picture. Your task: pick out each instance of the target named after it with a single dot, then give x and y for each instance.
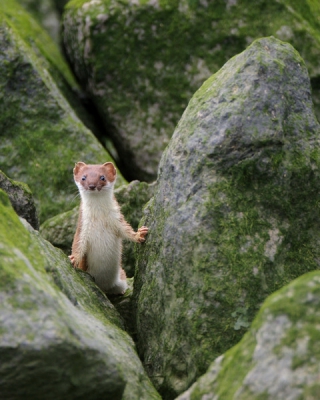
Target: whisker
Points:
(75, 196)
(74, 193)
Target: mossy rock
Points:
(60, 337)
(41, 135)
(235, 214)
(60, 230)
(124, 305)
(132, 199)
(46, 13)
(142, 61)
(278, 358)
(21, 199)
(36, 38)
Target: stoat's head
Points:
(94, 178)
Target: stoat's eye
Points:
(102, 178)
(83, 178)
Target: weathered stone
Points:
(278, 358)
(132, 198)
(21, 199)
(124, 304)
(45, 12)
(41, 135)
(141, 61)
(234, 216)
(59, 230)
(60, 337)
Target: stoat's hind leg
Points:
(121, 284)
(119, 287)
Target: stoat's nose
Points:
(92, 187)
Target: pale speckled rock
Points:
(59, 230)
(234, 216)
(141, 61)
(21, 199)
(279, 358)
(60, 337)
(41, 134)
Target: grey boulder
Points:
(278, 358)
(234, 216)
(60, 337)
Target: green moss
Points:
(300, 302)
(234, 216)
(311, 392)
(132, 199)
(244, 206)
(30, 257)
(64, 326)
(36, 38)
(4, 199)
(12, 232)
(159, 55)
(46, 14)
(42, 135)
(228, 371)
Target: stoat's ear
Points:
(78, 166)
(111, 172)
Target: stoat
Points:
(97, 244)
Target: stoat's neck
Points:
(96, 203)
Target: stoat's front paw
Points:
(142, 233)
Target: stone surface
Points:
(278, 358)
(46, 13)
(41, 134)
(124, 305)
(60, 337)
(141, 61)
(132, 199)
(234, 216)
(21, 199)
(59, 230)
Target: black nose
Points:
(92, 187)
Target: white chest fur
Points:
(101, 240)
